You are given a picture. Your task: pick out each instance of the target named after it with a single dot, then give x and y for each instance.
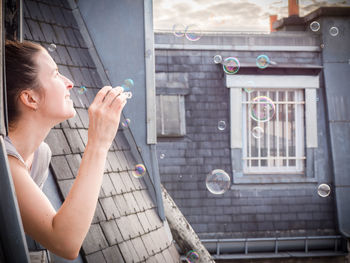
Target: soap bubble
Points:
(262, 61)
(231, 65)
(162, 156)
(193, 33)
(82, 90)
(323, 190)
(179, 30)
(127, 85)
(262, 109)
(139, 171)
(218, 181)
(128, 95)
(257, 132)
(221, 125)
(126, 123)
(217, 59)
(52, 47)
(192, 256)
(315, 26)
(333, 31)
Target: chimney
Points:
(293, 7)
(273, 18)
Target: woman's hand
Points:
(104, 116)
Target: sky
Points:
(228, 15)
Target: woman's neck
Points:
(26, 136)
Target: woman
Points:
(38, 99)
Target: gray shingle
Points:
(74, 161)
(79, 37)
(107, 186)
(61, 35)
(121, 204)
(99, 214)
(74, 140)
(146, 225)
(84, 135)
(174, 253)
(140, 200)
(65, 186)
(109, 207)
(112, 255)
(127, 229)
(75, 122)
(134, 221)
(113, 160)
(64, 58)
(125, 177)
(123, 163)
(138, 182)
(35, 30)
(85, 57)
(153, 218)
(49, 34)
(57, 142)
(46, 12)
(126, 252)
(111, 232)
(78, 78)
(95, 257)
(131, 202)
(149, 243)
(74, 54)
(94, 240)
(33, 10)
(147, 198)
(135, 254)
(26, 32)
(61, 168)
(84, 117)
(87, 77)
(58, 16)
(140, 248)
(160, 257)
(121, 141)
(118, 183)
(26, 13)
(152, 259)
(69, 18)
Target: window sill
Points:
(239, 178)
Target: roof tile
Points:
(149, 243)
(61, 168)
(121, 141)
(144, 222)
(134, 220)
(135, 254)
(79, 37)
(61, 35)
(75, 122)
(109, 207)
(46, 12)
(57, 142)
(26, 31)
(74, 161)
(140, 201)
(64, 56)
(84, 135)
(49, 34)
(112, 255)
(122, 205)
(107, 186)
(87, 77)
(65, 186)
(35, 30)
(99, 214)
(127, 229)
(58, 16)
(113, 160)
(78, 79)
(140, 248)
(147, 198)
(96, 78)
(126, 252)
(129, 186)
(174, 253)
(94, 240)
(84, 116)
(26, 13)
(74, 54)
(33, 10)
(152, 260)
(74, 140)
(153, 217)
(118, 183)
(112, 232)
(95, 257)
(131, 202)
(85, 57)
(69, 18)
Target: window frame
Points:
(310, 84)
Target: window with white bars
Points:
(273, 131)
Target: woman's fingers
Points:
(101, 94)
(111, 96)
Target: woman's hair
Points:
(21, 73)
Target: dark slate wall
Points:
(250, 210)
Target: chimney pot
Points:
(293, 7)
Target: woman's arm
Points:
(63, 232)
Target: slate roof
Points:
(126, 226)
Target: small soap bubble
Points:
(218, 181)
(127, 85)
(128, 95)
(262, 109)
(315, 26)
(217, 59)
(193, 33)
(179, 30)
(162, 156)
(126, 123)
(262, 61)
(82, 90)
(139, 171)
(221, 125)
(333, 31)
(323, 190)
(322, 45)
(231, 65)
(257, 132)
(192, 256)
(52, 47)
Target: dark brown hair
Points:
(21, 73)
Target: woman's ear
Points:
(30, 98)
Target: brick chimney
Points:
(273, 18)
(293, 7)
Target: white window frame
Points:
(236, 83)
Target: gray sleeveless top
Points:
(40, 166)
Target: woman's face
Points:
(55, 102)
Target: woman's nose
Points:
(69, 83)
